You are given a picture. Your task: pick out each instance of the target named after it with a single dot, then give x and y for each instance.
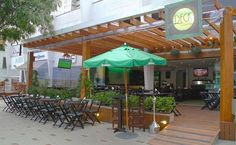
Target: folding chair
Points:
(8, 104)
(93, 110)
(77, 114)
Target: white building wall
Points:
(93, 12)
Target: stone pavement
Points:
(16, 130)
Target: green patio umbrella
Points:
(124, 57)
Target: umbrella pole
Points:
(126, 98)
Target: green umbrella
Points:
(125, 57)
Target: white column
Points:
(50, 62)
(148, 76)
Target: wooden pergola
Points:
(148, 31)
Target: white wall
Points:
(93, 12)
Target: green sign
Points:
(183, 19)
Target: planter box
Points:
(105, 115)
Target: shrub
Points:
(33, 90)
(165, 104)
(148, 103)
(104, 97)
(133, 101)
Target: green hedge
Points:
(163, 104)
(104, 97)
(53, 93)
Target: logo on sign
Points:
(183, 19)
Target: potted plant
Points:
(165, 104)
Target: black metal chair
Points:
(77, 114)
(212, 100)
(93, 111)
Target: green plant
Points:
(33, 90)
(104, 97)
(133, 101)
(35, 81)
(175, 52)
(148, 103)
(196, 51)
(165, 104)
(88, 85)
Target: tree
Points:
(21, 18)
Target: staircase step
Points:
(180, 141)
(185, 135)
(193, 130)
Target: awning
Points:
(37, 64)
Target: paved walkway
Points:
(20, 131)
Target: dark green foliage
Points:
(105, 97)
(133, 101)
(196, 51)
(20, 18)
(33, 91)
(35, 81)
(148, 103)
(52, 93)
(163, 104)
(175, 52)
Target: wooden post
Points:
(30, 69)
(227, 130)
(86, 53)
(126, 98)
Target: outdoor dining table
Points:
(120, 127)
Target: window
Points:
(75, 4)
(4, 63)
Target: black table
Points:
(119, 99)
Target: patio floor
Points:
(16, 130)
(195, 126)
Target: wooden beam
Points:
(162, 40)
(226, 76)
(113, 25)
(84, 32)
(86, 54)
(158, 31)
(149, 19)
(175, 43)
(123, 24)
(213, 25)
(120, 42)
(140, 40)
(182, 42)
(185, 56)
(195, 43)
(135, 22)
(147, 39)
(218, 4)
(128, 41)
(30, 66)
(202, 40)
(231, 10)
(92, 30)
(103, 28)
